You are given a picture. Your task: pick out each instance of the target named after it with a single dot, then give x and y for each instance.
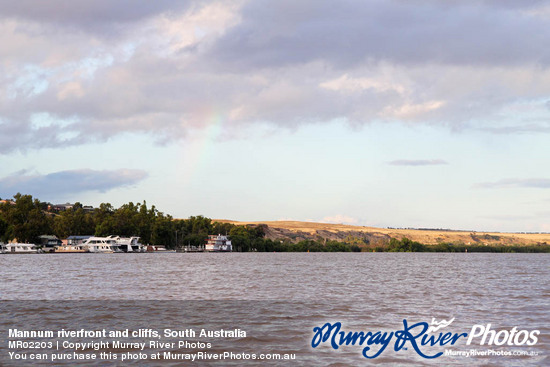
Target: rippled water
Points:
(298, 291)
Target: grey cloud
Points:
(348, 33)
(84, 14)
(422, 61)
(512, 4)
(518, 129)
(539, 183)
(20, 135)
(417, 162)
(69, 182)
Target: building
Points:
(88, 209)
(67, 206)
(48, 242)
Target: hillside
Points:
(297, 231)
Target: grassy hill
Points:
(297, 231)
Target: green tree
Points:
(163, 231)
(26, 219)
(240, 238)
(3, 228)
(194, 239)
(199, 224)
(104, 224)
(144, 222)
(124, 220)
(74, 221)
(221, 228)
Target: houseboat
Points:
(48, 243)
(18, 248)
(100, 245)
(64, 249)
(158, 249)
(128, 244)
(77, 240)
(218, 243)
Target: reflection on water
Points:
(365, 291)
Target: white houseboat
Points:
(100, 245)
(128, 244)
(18, 248)
(218, 243)
(77, 240)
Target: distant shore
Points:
(297, 231)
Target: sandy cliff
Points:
(297, 231)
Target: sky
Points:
(416, 114)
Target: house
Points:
(48, 242)
(67, 206)
(88, 209)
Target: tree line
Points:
(25, 219)
(407, 245)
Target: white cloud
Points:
(538, 183)
(340, 219)
(70, 90)
(349, 84)
(418, 162)
(413, 110)
(201, 23)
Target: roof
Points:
(78, 237)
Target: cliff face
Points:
(277, 233)
(298, 231)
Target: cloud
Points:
(412, 32)
(85, 15)
(539, 183)
(69, 182)
(519, 129)
(339, 219)
(417, 162)
(166, 68)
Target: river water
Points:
(279, 298)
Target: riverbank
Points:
(296, 231)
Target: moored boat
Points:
(99, 245)
(158, 249)
(19, 248)
(128, 244)
(70, 249)
(218, 243)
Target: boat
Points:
(128, 244)
(77, 240)
(70, 249)
(99, 245)
(19, 248)
(158, 249)
(218, 243)
(190, 248)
